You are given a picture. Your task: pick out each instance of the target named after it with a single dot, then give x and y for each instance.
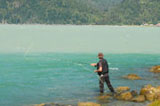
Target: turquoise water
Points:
(66, 77)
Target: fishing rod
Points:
(88, 69)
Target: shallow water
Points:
(66, 77)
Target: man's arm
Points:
(94, 64)
(99, 70)
(100, 67)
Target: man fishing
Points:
(103, 72)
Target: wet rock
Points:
(155, 69)
(127, 96)
(158, 97)
(151, 93)
(88, 104)
(158, 87)
(155, 103)
(132, 77)
(150, 96)
(104, 97)
(42, 104)
(145, 89)
(139, 98)
(50, 104)
(122, 89)
(46, 104)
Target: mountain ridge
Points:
(80, 12)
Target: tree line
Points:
(79, 12)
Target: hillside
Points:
(134, 12)
(48, 12)
(104, 4)
(112, 12)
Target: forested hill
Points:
(112, 12)
(48, 12)
(104, 4)
(134, 12)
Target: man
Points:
(103, 72)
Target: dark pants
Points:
(102, 79)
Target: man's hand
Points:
(95, 71)
(93, 64)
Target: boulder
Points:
(132, 77)
(158, 97)
(145, 89)
(47, 104)
(155, 103)
(139, 98)
(122, 89)
(50, 104)
(151, 93)
(88, 104)
(127, 96)
(150, 96)
(42, 104)
(104, 97)
(158, 87)
(155, 69)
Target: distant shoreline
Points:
(86, 25)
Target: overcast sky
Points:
(86, 39)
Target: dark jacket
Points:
(104, 64)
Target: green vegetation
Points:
(47, 12)
(112, 12)
(134, 12)
(103, 4)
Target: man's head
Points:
(100, 55)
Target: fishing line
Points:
(88, 69)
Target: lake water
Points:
(79, 39)
(66, 78)
(32, 72)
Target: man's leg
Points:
(108, 83)
(101, 84)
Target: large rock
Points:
(158, 87)
(139, 98)
(127, 96)
(47, 104)
(50, 104)
(132, 77)
(103, 97)
(145, 89)
(155, 103)
(155, 69)
(122, 89)
(88, 104)
(150, 96)
(42, 104)
(151, 93)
